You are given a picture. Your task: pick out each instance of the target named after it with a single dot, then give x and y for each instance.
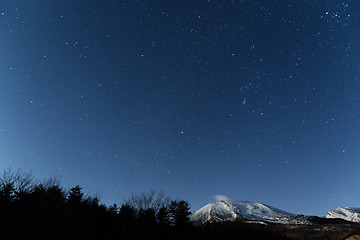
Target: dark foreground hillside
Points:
(321, 230)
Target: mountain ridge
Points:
(229, 210)
(347, 213)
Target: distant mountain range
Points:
(228, 210)
(347, 213)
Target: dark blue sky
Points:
(255, 100)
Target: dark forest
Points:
(45, 210)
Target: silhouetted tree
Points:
(15, 184)
(127, 213)
(113, 209)
(146, 200)
(127, 217)
(163, 216)
(180, 213)
(75, 195)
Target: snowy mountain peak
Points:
(228, 210)
(346, 213)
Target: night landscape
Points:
(203, 119)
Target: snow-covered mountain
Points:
(228, 210)
(347, 213)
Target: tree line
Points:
(45, 210)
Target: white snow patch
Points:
(346, 213)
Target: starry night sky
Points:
(255, 100)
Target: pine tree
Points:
(75, 195)
(180, 213)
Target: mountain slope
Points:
(347, 213)
(228, 210)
